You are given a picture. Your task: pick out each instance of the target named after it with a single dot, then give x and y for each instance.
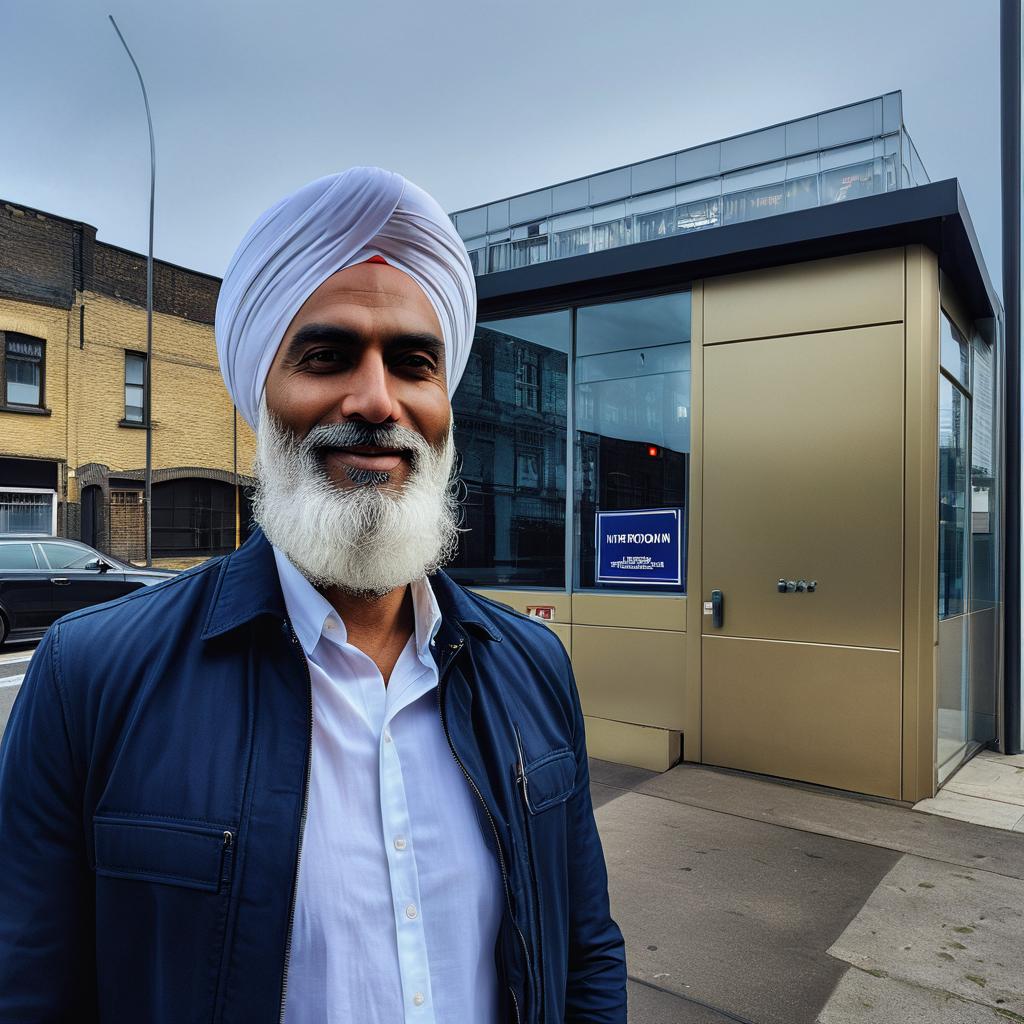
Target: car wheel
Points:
(3, 630)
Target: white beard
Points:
(365, 538)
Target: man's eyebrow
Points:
(311, 334)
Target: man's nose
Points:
(367, 391)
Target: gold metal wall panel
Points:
(827, 715)
(564, 633)
(654, 749)
(694, 568)
(631, 675)
(848, 291)
(921, 530)
(803, 478)
(982, 629)
(520, 600)
(640, 611)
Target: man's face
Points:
(365, 348)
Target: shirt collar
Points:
(309, 610)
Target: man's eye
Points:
(324, 357)
(421, 362)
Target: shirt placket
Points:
(405, 891)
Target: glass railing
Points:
(589, 231)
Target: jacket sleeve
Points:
(595, 991)
(46, 929)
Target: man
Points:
(313, 781)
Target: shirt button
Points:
(400, 843)
(332, 624)
(410, 911)
(419, 999)
(387, 736)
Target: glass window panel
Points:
(754, 177)
(529, 251)
(754, 203)
(497, 216)
(24, 381)
(705, 189)
(15, 556)
(532, 206)
(498, 257)
(953, 422)
(802, 136)
(655, 201)
(802, 166)
(472, 222)
(844, 183)
(695, 216)
(844, 156)
(954, 351)
(572, 220)
(892, 115)
(134, 368)
(754, 148)
(25, 513)
(633, 324)
(653, 174)
(802, 193)
(657, 224)
(574, 242)
(66, 556)
(610, 185)
(610, 234)
(984, 467)
(571, 195)
(848, 124)
(511, 436)
(478, 261)
(632, 416)
(702, 162)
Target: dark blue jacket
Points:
(153, 783)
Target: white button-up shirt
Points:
(399, 896)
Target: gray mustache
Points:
(350, 434)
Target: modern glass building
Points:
(732, 425)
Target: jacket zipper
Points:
(302, 822)
(523, 782)
(494, 828)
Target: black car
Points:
(43, 578)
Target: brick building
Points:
(72, 402)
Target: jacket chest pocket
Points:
(547, 781)
(172, 853)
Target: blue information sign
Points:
(640, 545)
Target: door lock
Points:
(717, 609)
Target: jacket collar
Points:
(248, 586)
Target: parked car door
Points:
(24, 588)
(74, 585)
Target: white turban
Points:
(325, 226)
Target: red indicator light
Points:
(652, 451)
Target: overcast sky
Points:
(472, 99)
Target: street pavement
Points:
(751, 900)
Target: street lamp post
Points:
(147, 403)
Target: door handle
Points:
(717, 609)
(61, 581)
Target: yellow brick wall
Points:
(22, 434)
(192, 413)
(193, 418)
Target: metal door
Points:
(802, 540)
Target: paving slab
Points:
(892, 826)
(8, 691)
(991, 813)
(653, 1006)
(938, 927)
(990, 778)
(733, 913)
(1014, 759)
(862, 998)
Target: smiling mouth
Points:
(379, 460)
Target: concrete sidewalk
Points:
(744, 899)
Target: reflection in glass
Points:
(954, 419)
(632, 414)
(510, 430)
(954, 351)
